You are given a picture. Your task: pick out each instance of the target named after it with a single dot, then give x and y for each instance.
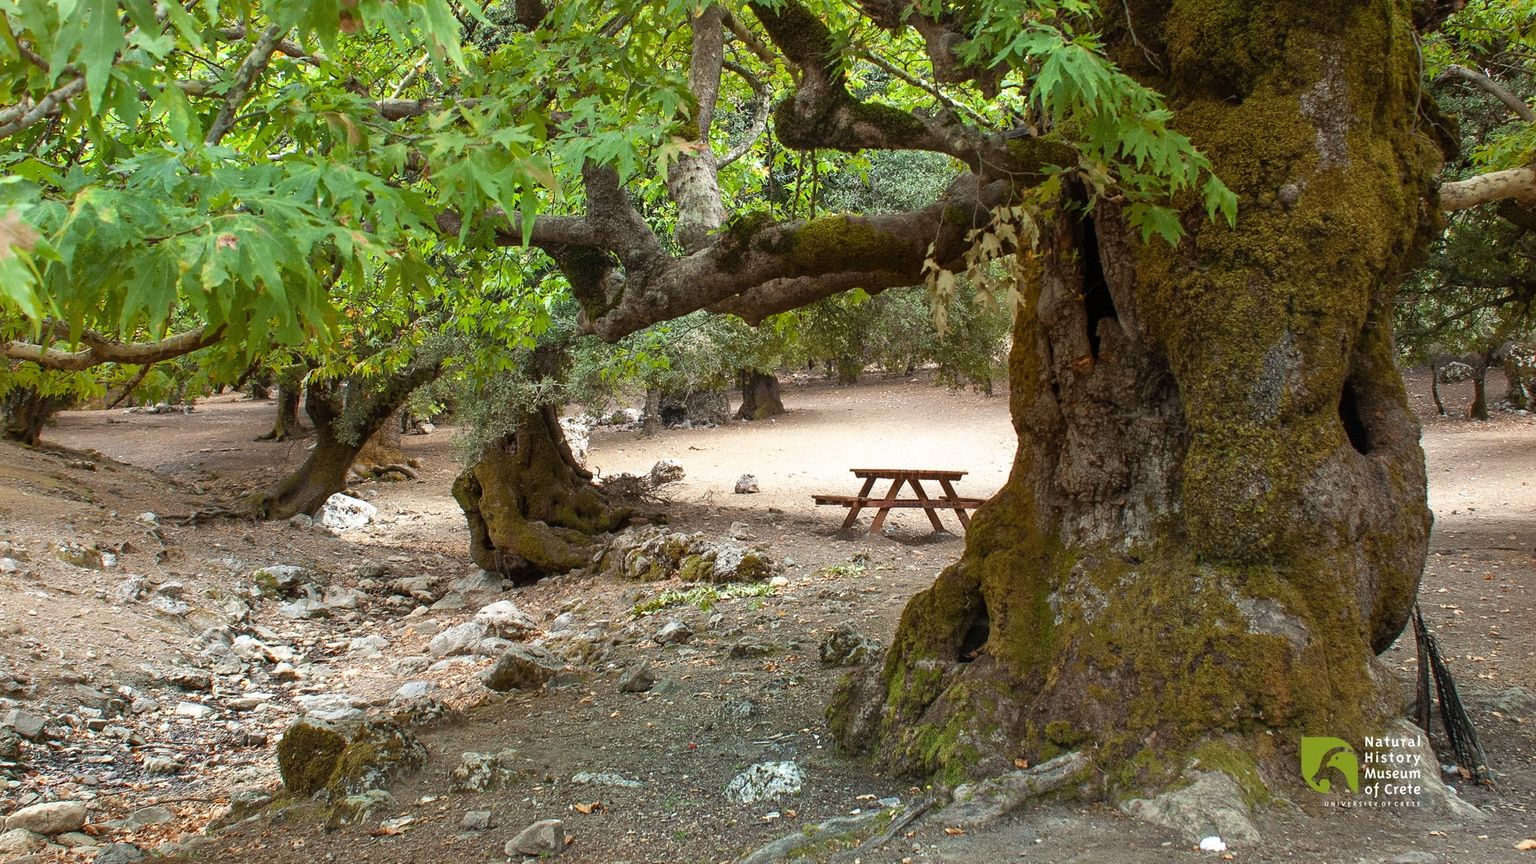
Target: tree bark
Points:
(1217, 512)
(532, 509)
(1516, 392)
(285, 425)
(1480, 364)
(345, 415)
(24, 412)
(650, 416)
(759, 395)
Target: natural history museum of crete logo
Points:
(1387, 771)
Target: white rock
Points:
(765, 781)
(54, 817)
(1212, 844)
(340, 597)
(250, 648)
(413, 689)
(20, 841)
(368, 646)
(458, 639)
(303, 608)
(345, 513)
(195, 710)
(505, 620)
(544, 837)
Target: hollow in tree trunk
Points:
(1216, 516)
(345, 416)
(24, 412)
(532, 509)
(759, 395)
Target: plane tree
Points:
(1216, 515)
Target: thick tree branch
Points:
(756, 269)
(751, 40)
(617, 225)
(22, 115)
(245, 78)
(823, 114)
(692, 181)
(100, 350)
(1513, 184)
(1493, 88)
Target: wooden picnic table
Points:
(913, 477)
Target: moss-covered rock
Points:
(650, 553)
(312, 757)
(307, 755)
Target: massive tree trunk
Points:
(1217, 514)
(532, 509)
(24, 411)
(759, 395)
(345, 416)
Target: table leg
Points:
(885, 506)
(853, 512)
(922, 496)
(949, 490)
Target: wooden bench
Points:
(913, 477)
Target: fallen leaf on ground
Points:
(1526, 845)
(954, 832)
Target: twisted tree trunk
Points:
(532, 509)
(1217, 511)
(345, 414)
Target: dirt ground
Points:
(140, 712)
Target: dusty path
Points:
(713, 712)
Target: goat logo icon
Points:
(1326, 760)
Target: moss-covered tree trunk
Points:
(759, 395)
(24, 412)
(345, 415)
(1216, 515)
(532, 509)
